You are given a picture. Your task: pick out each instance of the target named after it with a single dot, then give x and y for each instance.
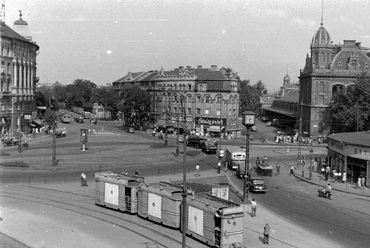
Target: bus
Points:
(234, 157)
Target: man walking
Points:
(254, 207)
(266, 233)
(197, 168)
(82, 179)
(277, 168)
(292, 170)
(219, 167)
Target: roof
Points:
(321, 37)
(353, 138)
(7, 32)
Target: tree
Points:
(107, 97)
(250, 96)
(350, 108)
(135, 105)
(50, 117)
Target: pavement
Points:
(284, 233)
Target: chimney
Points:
(181, 67)
(199, 67)
(188, 67)
(213, 67)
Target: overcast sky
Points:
(102, 40)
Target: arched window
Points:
(198, 98)
(207, 99)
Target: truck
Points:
(195, 141)
(209, 146)
(13, 141)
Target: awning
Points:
(41, 107)
(214, 129)
(162, 123)
(38, 122)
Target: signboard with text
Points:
(210, 121)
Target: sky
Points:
(103, 40)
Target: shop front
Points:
(208, 126)
(350, 153)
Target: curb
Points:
(334, 189)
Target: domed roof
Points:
(20, 21)
(321, 37)
(287, 78)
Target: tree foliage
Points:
(107, 97)
(351, 108)
(250, 95)
(135, 104)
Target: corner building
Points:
(329, 69)
(18, 77)
(210, 97)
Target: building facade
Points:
(206, 99)
(329, 68)
(350, 153)
(18, 77)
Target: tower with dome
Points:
(329, 68)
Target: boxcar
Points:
(160, 202)
(215, 221)
(116, 191)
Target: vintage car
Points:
(256, 184)
(60, 132)
(79, 119)
(12, 141)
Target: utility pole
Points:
(299, 157)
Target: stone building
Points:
(207, 99)
(329, 68)
(18, 77)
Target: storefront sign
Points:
(210, 121)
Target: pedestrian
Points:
(137, 172)
(277, 168)
(292, 170)
(197, 168)
(266, 233)
(359, 183)
(258, 161)
(85, 180)
(219, 167)
(254, 207)
(344, 177)
(82, 179)
(363, 180)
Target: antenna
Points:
(322, 12)
(2, 13)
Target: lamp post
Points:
(248, 120)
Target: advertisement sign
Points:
(210, 121)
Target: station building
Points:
(206, 99)
(350, 153)
(18, 77)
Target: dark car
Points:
(195, 141)
(256, 184)
(79, 119)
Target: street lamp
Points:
(248, 120)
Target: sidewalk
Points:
(319, 180)
(283, 232)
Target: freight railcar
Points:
(160, 202)
(116, 191)
(215, 221)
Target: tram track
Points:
(73, 203)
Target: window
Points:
(198, 111)
(206, 111)
(175, 109)
(207, 99)
(218, 112)
(198, 98)
(189, 111)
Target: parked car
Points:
(256, 184)
(209, 146)
(79, 119)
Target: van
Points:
(235, 157)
